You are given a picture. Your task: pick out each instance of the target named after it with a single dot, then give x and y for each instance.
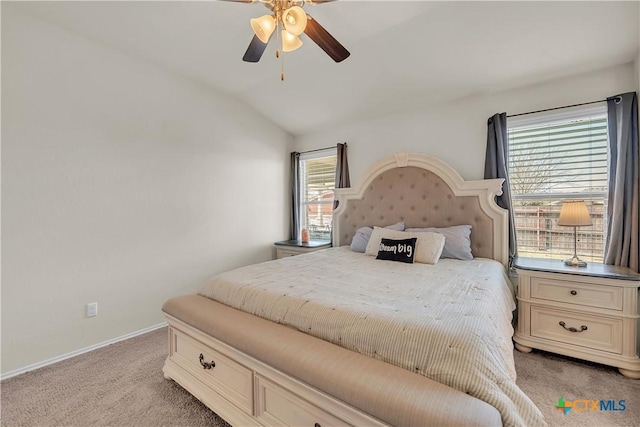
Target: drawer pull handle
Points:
(206, 365)
(574, 292)
(317, 425)
(572, 329)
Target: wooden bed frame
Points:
(254, 372)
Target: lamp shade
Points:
(290, 41)
(574, 213)
(294, 20)
(263, 27)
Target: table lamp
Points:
(574, 214)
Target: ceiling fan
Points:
(289, 17)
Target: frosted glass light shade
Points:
(290, 42)
(263, 27)
(574, 214)
(294, 20)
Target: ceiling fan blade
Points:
(325, 40)
(255, 50)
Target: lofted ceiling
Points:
(404, 54)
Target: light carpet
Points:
(122, 385)
(546, 377)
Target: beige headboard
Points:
(423, 191)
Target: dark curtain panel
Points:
(621, 247)
(342, 170)
(496, 165)
(294, 182)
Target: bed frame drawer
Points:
(581, 329)
(215, 370)
(609, 297)
(277, 406)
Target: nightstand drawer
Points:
(288, 248)
(609, 297)
(601, 333)
(283, 253)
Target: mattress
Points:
(450, 322)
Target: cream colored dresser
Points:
(591, 312)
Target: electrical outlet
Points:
(92, 309)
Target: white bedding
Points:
(450, 322)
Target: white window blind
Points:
(556, 157)
(318, 174)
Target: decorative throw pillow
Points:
(397, 250)
(457, 243)
(377, 236)
(363, 234)
(428, 247)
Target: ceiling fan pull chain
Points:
(282, 73)
(279, 40)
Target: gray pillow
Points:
(363, 234)
(457, 243)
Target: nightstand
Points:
(590, 313)
(296, 247)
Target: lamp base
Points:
(575, 262)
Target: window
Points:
(556, 157)
(317, 181)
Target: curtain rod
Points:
(319, 149)
(556, 108)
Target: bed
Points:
(338, 337)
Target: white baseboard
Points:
(79, 352)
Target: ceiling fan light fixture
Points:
(263, 27)
(290, 20)
(294, 20)
(290, 42)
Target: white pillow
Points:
(363, 234)
(373, 245)
(428, 246)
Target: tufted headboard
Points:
(423, 191)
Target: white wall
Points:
(456, 132)
(122, 184)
